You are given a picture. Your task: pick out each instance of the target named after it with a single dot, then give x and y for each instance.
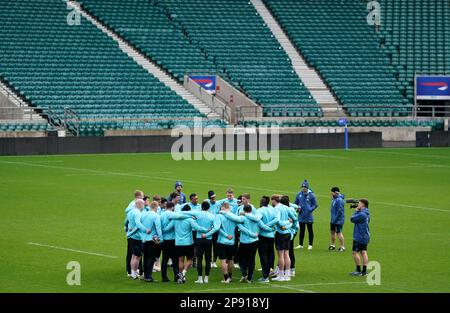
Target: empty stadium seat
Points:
(54, 65)
(415, 35)
(219, 36)
(334, 37)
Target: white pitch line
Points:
(331, 284)
(292, 288)
(87, 174)
(313, 155)
(171, 179)
(412, 165)
(220, 289)
(385, 167)
(265, 286)
(413, 206)
(408, 154)
(430, 165)
(72, 250)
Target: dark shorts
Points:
(282, 241)
(187, 251)
(336, 228)
(358, 247)
(226, 252)
(136, 247)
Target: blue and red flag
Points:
(208, 83)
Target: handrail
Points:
(216, 104)
(71, 118)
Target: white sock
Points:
(205, 279)
(133, 274)
(184, 272)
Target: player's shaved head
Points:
(225, 206)
(140, 204)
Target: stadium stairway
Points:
(14, 100)
(316, 86)
(144, 62)
(235, 37)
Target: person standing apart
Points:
(361, 237)
(337, 219)
(307, 202)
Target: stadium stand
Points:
(20, 126)
(98, 128)
(147, 27)
(434, 124)
(415, 35)
(334, 37)
(226, 37)
(54, 65)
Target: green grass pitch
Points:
(77, 202)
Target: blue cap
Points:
(178, 183)
(305, 184)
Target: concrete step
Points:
(12, 99)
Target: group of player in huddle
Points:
(231, 230)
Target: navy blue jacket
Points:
(361, 220)
(337, 210)
(307, 203)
